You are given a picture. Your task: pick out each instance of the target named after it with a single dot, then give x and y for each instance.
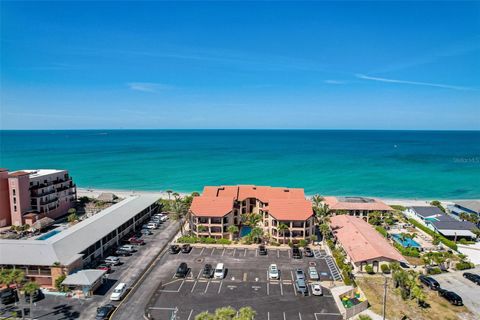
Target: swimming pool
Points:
(49, 234)
(245, 231)
(406, 242)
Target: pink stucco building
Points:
(28, 195)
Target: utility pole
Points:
(384, 297)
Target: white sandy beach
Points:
(94, 193)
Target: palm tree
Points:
(245, 313)
(169, 193)
(17, 277)
(317, 200)
(282, 228)
(232, 230)
(30, 288)
(321, 213)
(176, 195)
(256, 234)
(324, 229)
(178, 210)
(195, 194)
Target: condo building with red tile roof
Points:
(219, 207)
(356, 206)
(362, 244)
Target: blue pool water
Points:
(407, 242)
(48, 235)
(244, 231)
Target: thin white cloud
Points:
(148, 86)
(418, 83)
(334, 82)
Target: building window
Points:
(15, 208)
(14, 200)
(14, 192)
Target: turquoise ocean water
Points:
(400, 164)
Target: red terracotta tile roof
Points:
(3, 169)
(283, 203)
(203, 206)
(356, 203)
(361, 241)
(290, 209)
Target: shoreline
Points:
(122, 193)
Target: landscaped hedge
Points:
(207, 240)
(408, 252)
(382, 231)
(434, 271)
(385, 268)
(463, 265)
(445, 241)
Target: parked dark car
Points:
(137, 241)
(308, 252)
(475, 278)
(174, 249)
(207, 271)
(186, 248)
(429, 282)
(404, 265)
(182, 270)
(301, 287)
(262, 250)
(104, 312)
(122, 253)
(37, 295)
(8, 296)
(451, 296)
(296, 253)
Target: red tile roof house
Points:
(362, 243)
(219, 207)
(356, 206)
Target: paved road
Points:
(61, 308)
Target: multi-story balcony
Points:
(48, 201)
(40, 193)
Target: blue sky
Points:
(326, 65)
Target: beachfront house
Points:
(284, 213)
(356, 206)
(423, 213)
(362, 244)
(466, 206)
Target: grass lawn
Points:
(397, 307)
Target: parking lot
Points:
(454, 281)
(55, 307)
(245, 283)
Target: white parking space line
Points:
(245, 253)
(234, 250)
(199, 273)
(244, 276)
(193, 287)
(268, 315)
(190, 315)
(291, 273)
(281, 288)
(278, 254)
(203, 249)
(294, 289)
(324, 314)
(160, 308)
(213, 250)
(284, 316)
(268, 288)
(289, 254)
(206, 288)
(299, 316)
(256, 252)
(223, 252)
(220, 287)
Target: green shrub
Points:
(302, 243)
(58, 283)
(223, 241)
(398, 207)
(407, 252)
(385, 268)
(369, 269)
(463, 265)
(364, 317)
(290, 244)
(346, 278)
(434, 271)
(187, 239)
(208, 240)
(465, 241)
(382, 231)
(445, 241)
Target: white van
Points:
(219, 271)
(119, 292)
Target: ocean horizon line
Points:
(243, 129)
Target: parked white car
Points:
(111, 260)
(128, 248)
(219, 271)
(313, 274)
(317, 289)
(119, 292)
(152, 225)
(273, 272)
